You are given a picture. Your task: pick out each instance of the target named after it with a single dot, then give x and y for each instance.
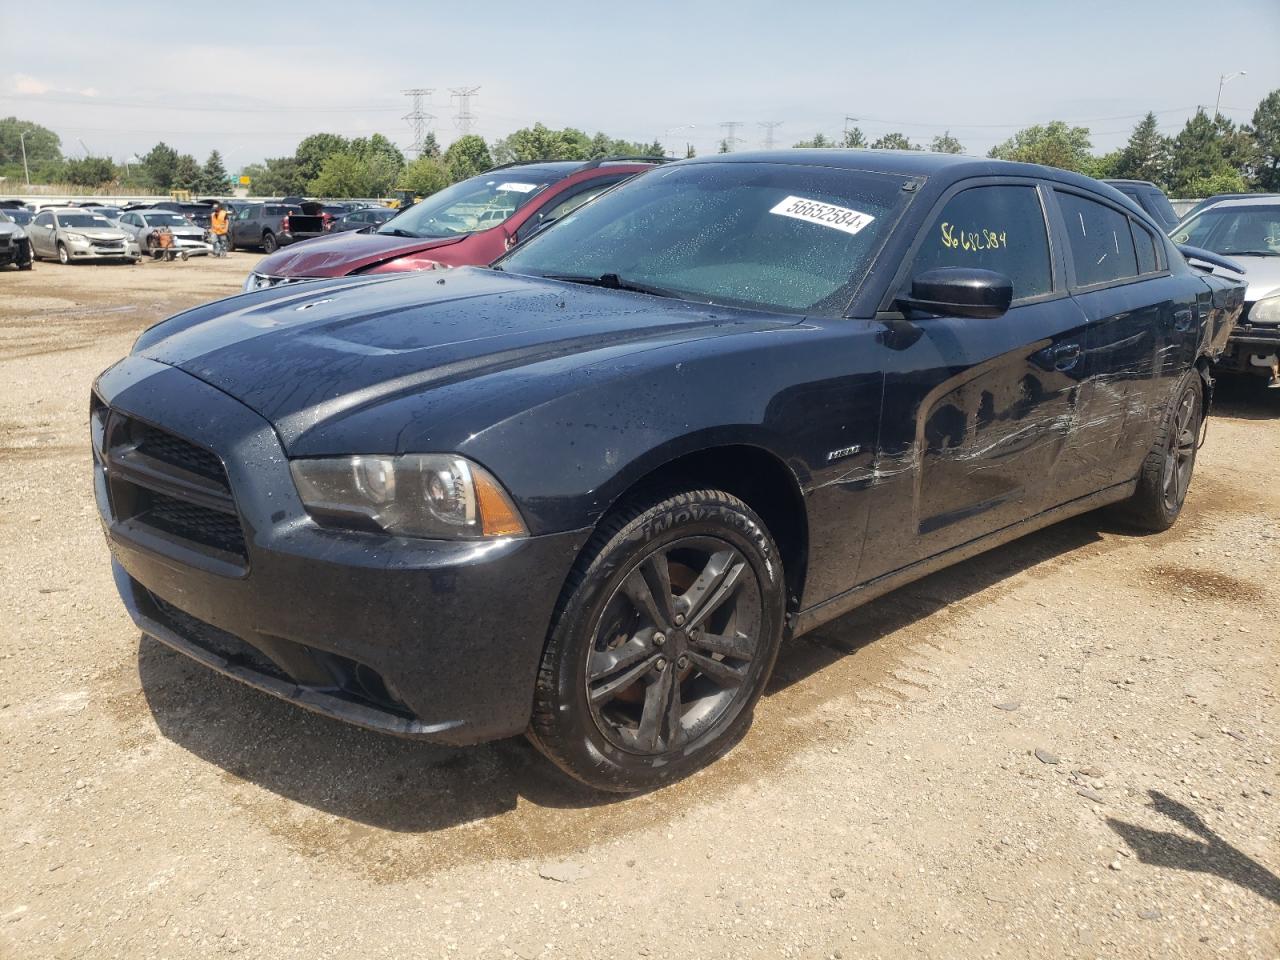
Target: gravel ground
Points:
(1064, 748)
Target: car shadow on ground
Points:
(1211, 854)
(1244, 398)
(404, 785)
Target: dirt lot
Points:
(1067, 747)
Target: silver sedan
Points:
(72, 234)
(142, 225)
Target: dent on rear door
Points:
(978, 429)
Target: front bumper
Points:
(1252, 348)
(88, 251)
(17, 251)
(439, 640)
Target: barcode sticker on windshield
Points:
(518, 187)
(825, 214)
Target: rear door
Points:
(978, 414)
(1143, 330)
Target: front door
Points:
(979, 415)
(41, 234)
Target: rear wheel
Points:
(1166, 473)
(269, 242)
(663, 642)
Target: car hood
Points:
(1262, 274)
(306, 355)
(98, 233)
(338, 255)
(14, 229)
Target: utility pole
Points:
(730, 128)
(464, 117)
(1223, 80)
(418, 118)
(769, 126)
(22, 139)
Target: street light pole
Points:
(666, 134)
(22, 139)
(1223, 80)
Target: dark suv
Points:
(1150, 198)
(469, 223)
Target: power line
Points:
(464, 118)
(769, 126)
(418, 118)
(730, 128)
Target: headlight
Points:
(436, 496)
(76, 237)
(1266, 310)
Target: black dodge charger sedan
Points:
(586, 493)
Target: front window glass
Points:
(998, 228)
(1238, 230)
(167, 220)
(476, 204)
(82, 220)
(784, 237)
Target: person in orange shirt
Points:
(218, 227)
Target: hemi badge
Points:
(843, 452)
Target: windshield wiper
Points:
(611, 281)
(1250, 253)
(397, 232)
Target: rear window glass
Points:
(1145, 245)
(998, 228)
(1101, 244)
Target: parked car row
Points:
(586, 491)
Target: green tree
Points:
(819, 141)
(430, 145)
(349, 174)
(1226, 181)
(276, 177)
(424, 176)
(1266, 134)
(1146, 155)
(160, 163)
(854, 139)
(540, 142)
(1053, 144)
(90, 171)
(466, 157)
(724, 146)
(42, 144)
(313, 151)
(894, 141)
(1104, 166)
(213, 178)
(946, 143)
(186, 173)
(1196, 156)
(378, 146)
(1239, 148)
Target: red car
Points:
(468, 224)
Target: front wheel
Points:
(1166, 472)
(269, 242)
(64, 257)
(663, 641)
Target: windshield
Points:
(82, 220)
(5, 218)
(476, 204)
(109, 212)
(1234, 230)
(166, 220)
(18, 216)
(782, 237)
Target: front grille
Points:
(226, 645)
(191, 521)
(108, 244)
(164, 484)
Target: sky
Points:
(251, 79)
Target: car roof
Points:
(1130, 183)
(1272, 200)
(908, 163)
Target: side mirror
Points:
(960, 292)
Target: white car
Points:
(1248, 232)
(142, 225)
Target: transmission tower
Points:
(769, 126)
(730, 128)
(464, 117)
(418, 118)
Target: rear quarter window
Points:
(1101, 244)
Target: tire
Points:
(64, 256)
(26, 264)
(1166, 472)
(633, 690)
(269, 243)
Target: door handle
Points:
(1066, 355)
